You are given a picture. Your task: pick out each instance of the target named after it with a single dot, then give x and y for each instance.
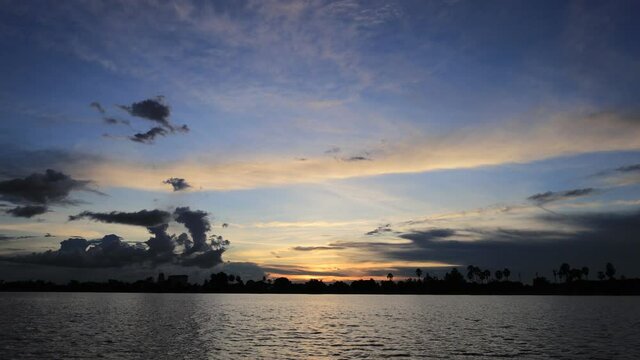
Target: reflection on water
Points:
(215, 326)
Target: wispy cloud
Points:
(562, 135)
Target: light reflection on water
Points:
(219, 326)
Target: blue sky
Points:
(313, 123)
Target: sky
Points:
(317, 139)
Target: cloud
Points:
(36, 192)
(550, 196)
(7, 237)
(51, 187)
(285, 270)
(149, 136)
(109, 251)
(461, 149)
(146, 218)
(160, 248)
(108, 119)
(153, 109)
(183, 128)
(161, 242)
(621, 176)
(315, 248)
(198, 225)
(205, 260)
(590, 239)
(114, 121)
(380, 230)
(629, 168)
(96, 105)
(178, 184)
(357, 158)
(27, 211)
(428, 235)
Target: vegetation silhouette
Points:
(574, 281)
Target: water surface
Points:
(233, 326)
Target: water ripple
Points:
(220, 326)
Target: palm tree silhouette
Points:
(471, 272)
(506, 272)
(487, 274)
(585, 272)
(601, 275)
(498, 275)
(419, 273)
(610, 271)
(390, 276)
(564, 272)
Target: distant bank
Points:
(453, 283)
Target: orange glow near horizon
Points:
(360, 271)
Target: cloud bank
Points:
(161, 248)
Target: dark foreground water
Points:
(219, 326)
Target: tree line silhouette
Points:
(573, 281)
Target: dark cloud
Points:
(110, 251)
(6, 237)
(298, 270)
(184, 240)
(146, 218)
(27, 211)
(184, 128)
(357, 158)
(205, 259)
(36, 191)
(156, 221)
(314, 248)
(624, 175)
(333, 150)
(149, 136)
(153, 109)
(428, 234)
(178, 184)
(161, 244)
(363, 244)
(161, 248)
(48, 235)
(551, 196)
(114, 121)
(197, 223)
(96, 105)
(629, 168)
(380, 230)
(581, 239)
